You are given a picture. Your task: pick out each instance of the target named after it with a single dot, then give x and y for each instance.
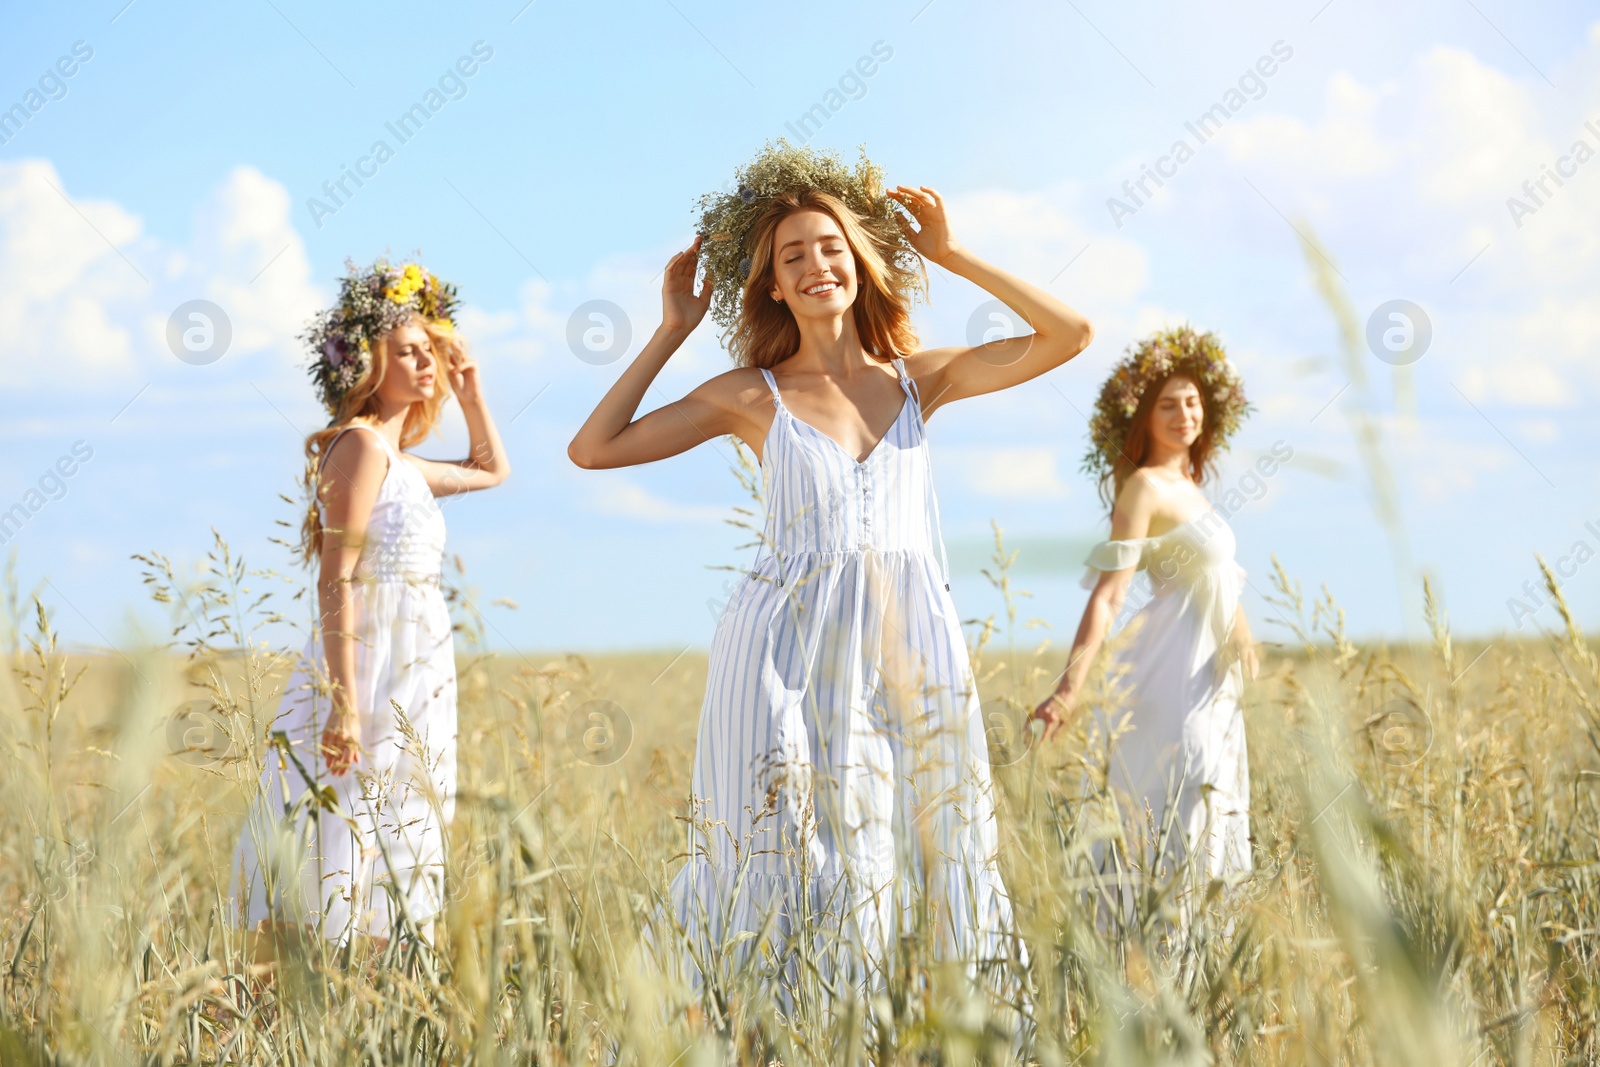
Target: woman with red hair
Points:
(1161, 418)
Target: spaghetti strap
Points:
(910, 386)
(384, 441)
(852, 675)
(772, 383)
(403, 658)
(906, 381)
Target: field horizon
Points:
(1425, 886)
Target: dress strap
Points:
(328, 449)
(929, 500)
(772, 383)
(766, 549)
(906, 381)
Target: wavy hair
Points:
(766, 332)
(1202, 465)
(360, 404)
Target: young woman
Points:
(371, 713)
(841, 779)
(1161, 417)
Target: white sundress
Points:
(320, 869)
(1181, 697)
(841, 774)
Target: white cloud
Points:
(1019, 472)
(1344, 144)
(1443, 467)
(1474, 128)
(1540, 431)
(537, 328)
(628, 499)
(1407, 184)
(85, 293)
(1036, 238)
(66, 294)
(1525, 384)
(251, 261)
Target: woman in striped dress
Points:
(841, 786)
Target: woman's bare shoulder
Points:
(1144, 497)
(357, 450)
(737, 389)
(926, 361)
(1143, 488)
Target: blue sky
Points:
(178, 160)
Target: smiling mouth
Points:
(820, 289)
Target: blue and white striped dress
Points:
(841, 784)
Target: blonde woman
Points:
(841, 780)
(371, 714)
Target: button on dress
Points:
(841, 786)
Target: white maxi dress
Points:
(380, 855)
(841, 786)
(1179, 774)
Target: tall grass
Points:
(1424, 892)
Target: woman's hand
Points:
(464, 381)
(681, 309)
(1245, 649)
(1244, 645)
(946, 375)
(614, 435)
(341, 740)
(1053, 713)
(932, 237)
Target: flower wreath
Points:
(1199, 356)
(726, 219)
(372, 301)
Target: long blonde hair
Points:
(360, 404)
(766, 333)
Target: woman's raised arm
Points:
(946, 374)
(612, 437)
(486, 464)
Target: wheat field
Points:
(1424, 821)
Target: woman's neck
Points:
(1173, 461)
(390, 421)
(831, 346)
